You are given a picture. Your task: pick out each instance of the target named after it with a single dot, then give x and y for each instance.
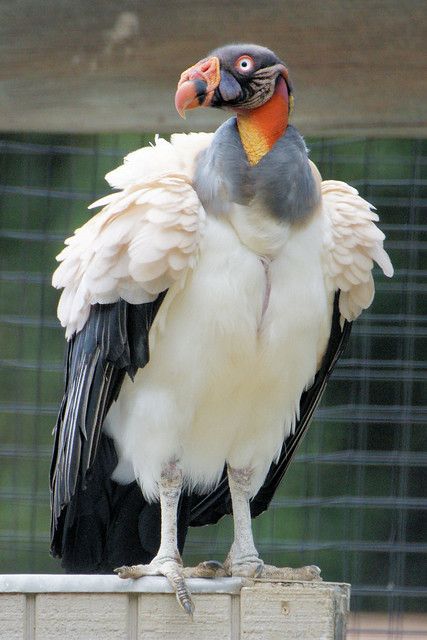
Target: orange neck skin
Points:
(260, 128)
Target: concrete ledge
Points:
(88, 607)
(52, 583)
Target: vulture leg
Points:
(243, 559)
(168, 561)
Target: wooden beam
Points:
(357, 67)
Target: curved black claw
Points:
(188, 608)
(213, 564)
(171, 569)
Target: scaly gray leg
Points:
(243, 559)
(168, 561)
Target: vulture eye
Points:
(244, 64)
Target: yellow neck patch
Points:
(254, 142)
(260, 128)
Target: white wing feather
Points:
(144, 239)
(352, 243)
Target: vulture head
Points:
(239, 77)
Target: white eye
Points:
(244, 64)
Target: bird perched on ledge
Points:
(222, 277)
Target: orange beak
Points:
(197, 84)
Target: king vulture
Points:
(205, 307)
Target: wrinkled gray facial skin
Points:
(240, 89)
(282, 181)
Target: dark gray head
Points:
(249, 74)
(236, 76)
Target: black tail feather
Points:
(107, 525)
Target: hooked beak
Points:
(197, 84)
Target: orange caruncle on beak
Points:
(197, 84)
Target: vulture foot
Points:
(172, 570)
(208, 569)
(243, 567)
(248, 568)
(252, 569)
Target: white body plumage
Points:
(224, 379)
(245, 322)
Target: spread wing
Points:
(352, 243)
(115, 272)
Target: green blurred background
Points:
(354, 500)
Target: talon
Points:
(207, 569)
(213, 564)
(315, 572)
(188, 608)
(183, 596)
(211, 569)
(135, 571)
(122, 571)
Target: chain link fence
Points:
(354, 499)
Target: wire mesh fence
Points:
(354, 500)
